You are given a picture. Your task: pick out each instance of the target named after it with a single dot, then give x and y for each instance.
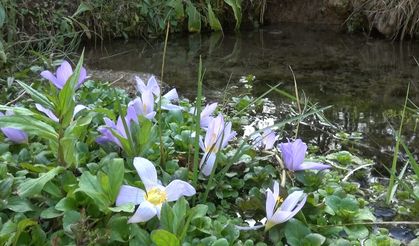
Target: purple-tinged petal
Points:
(312, 166)
(147, 172)
(299, 149)
(287, 155)
(171, 95)
(15, 135)
(153, 86)
(148, 102)
(64, 72)
(171, 107)
(131, 115)
(46, 111)
(291, 201)
(281, 216)
(140, 85)
(82, 76)
(130, 194)
(207, 163)
(49, 76)
(269, 139)
(178, 188)
(144, 213)
(270, 204)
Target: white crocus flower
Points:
(151, 200)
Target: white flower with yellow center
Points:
(151, 200)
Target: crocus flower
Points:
(13, 134)
(278, 210)
(52, 116)
(206, 114)
(266, 140)
(155, 195)
(64, 72)
(144, 105)
(293, 156)
(110, 128)
(151, 86)
(216, 138)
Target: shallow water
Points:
(363, 79)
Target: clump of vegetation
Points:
(82, 163)
(394, 19)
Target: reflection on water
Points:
(363, 79)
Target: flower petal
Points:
(15, 135)
(207, 163)
(78, 108)
(171, 95)
(147, 172)
(312, 166)
(82, 76)
(291, 201)
(144, 212)
(299, 149)
(130, 194)
(64, 72)
(178, 188)
(49, 76)
(46, 111)
(270, 204)
(171, 107)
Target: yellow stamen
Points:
(279, 200)
(156, 196)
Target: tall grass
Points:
(392, 187)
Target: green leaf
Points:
(295, 231)
(66, 101)
(17, 110)
(356, 231)
(50, 213)
(164, 238)
(213, 20)
(141, 236)
(167, 218)
(177, 5)
(30, 125)
(21, 227)
(66, 204)
(194, 18)
(78, 127)
(68, 145)
(36, 95)
(117, 225)
(314, 239)
(32, 187)
(115, 173)
(70, 218)
(220, 242)
(90, 185)
(2, 15)
(83, 7)
(128, 208)
(237, 10)
(19, 205)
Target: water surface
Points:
(365, 80)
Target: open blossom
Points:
(217, 137)
(206, 114)
(279, 210)
(293, 154)
(153, 87)
(13, 134)
(64, 72)
(265, 140)
(109, 130)
(144, 106)
(155, 195)
(52, 116)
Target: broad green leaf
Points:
(167, 218)
(314, 239)
(32, 187)
(68, 146)
(83, 7)
(50, 213)
(220, 242)
(356, 231)
(237, 10)
(128, 208)
(295, 231)
(115, 173)
(66, 204)
(194, 18)
(117, 225)
(177, 5)
(6, 187)
(164, 238)
(89, 185)
(36, 95)
(30, 125)
(70, 218)
(19, 205)
(17, 110)
(141, 236)
(213, 20)
(21, 227)
(78, 127)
